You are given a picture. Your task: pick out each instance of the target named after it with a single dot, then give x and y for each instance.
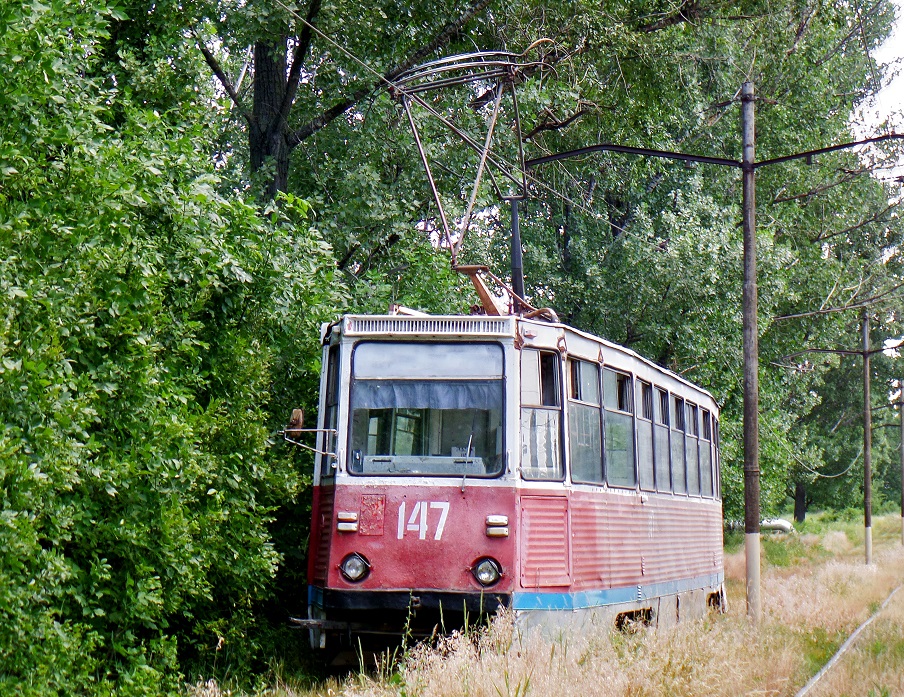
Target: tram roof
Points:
(422, 325)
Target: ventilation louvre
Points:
(390, 325)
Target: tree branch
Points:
(314, 125)
(382, 247)
(549, 122)
(804, 24)
(343, 262)
(224, 80)
(687, 12)
(446, 34)
(871, 219)
(302, 45)
(850, 176)
(841, 44)
(866, 302)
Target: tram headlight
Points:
(354, 567)
(487, 571)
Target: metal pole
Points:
(517, 262)
(751, 363)
(867, 449)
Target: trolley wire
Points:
(807, 467)
(498, 160)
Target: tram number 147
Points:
(418, 521)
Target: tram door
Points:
(545, 528)
(325, 485)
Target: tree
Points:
(621, 247)
(162, 305)
(151, 315)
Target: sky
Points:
(885, 114)
(890, 103)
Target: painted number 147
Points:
(417, 521)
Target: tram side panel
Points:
(611, 552)
(598, 548)
(545, 541)
(650, 541)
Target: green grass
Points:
(733, 541)
(789, 550)
(819, 646)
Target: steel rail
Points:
(844, 647)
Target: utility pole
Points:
(867, 448)
(748, 167)
(751, 362)
(901, 414)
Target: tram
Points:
(471, 463)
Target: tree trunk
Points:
(800, 502)
(266, 138)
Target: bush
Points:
(149, 314)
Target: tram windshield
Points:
(426, 409)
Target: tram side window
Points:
(706, 460)
(679, 481)
(717, 459)
(619, 429)
(645, 437)
(541, 446)
(584, 426)
(661, 441)
(692, 448)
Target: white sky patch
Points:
(890, 101)
(884, 113)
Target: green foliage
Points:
(157, 324)
(787, 550)
(154, 328)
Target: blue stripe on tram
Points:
(582, 600)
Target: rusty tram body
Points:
(471, 463)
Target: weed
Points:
(816, 591)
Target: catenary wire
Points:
(382, 78)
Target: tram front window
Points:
(426, 409)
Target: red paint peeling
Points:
(372, 514)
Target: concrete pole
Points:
(867, 448)
(751, 363)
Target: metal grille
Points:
(544, 542)
(407, 326)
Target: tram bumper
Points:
(342, 614)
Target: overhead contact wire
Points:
(390, 83)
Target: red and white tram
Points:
(471, 463)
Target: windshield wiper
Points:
(466, 461)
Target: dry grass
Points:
(875, 664)
(811, 606)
